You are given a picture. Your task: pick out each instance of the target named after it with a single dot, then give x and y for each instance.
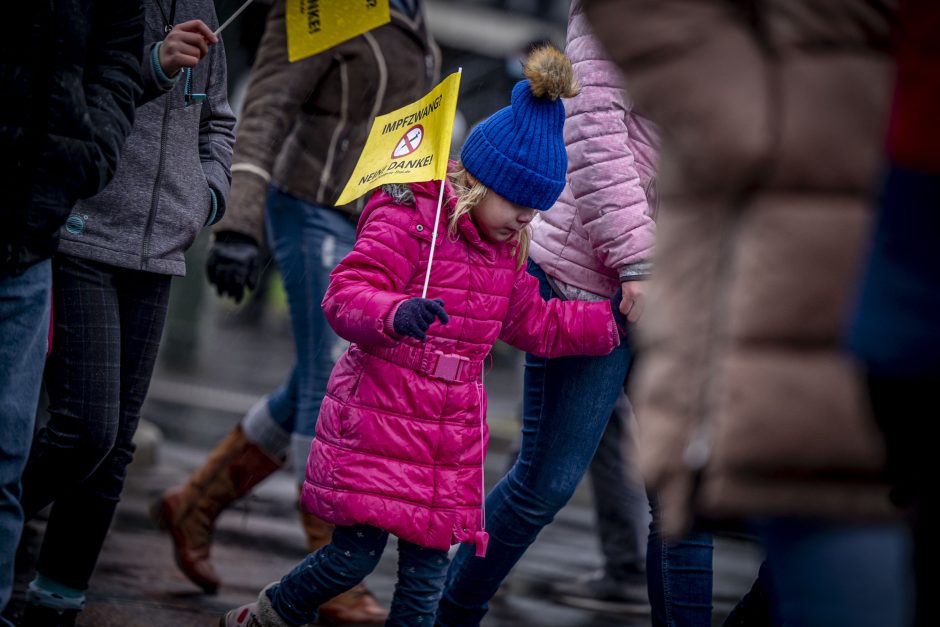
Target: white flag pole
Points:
(232, 18)
(437, 216)
(437, 219)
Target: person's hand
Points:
(616, 300)
(632, 301)
(233, 264)
(185, 45)
(415, 315)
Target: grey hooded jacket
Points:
(160, 198)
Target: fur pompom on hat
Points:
(550, 74)
(519, 151)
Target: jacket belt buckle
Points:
(447, 366)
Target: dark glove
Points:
(619, 318)
(233, 264)
(415, 315)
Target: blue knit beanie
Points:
(519, 151)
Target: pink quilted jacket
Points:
(402, 434)
(601, 230)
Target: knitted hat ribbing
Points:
(519, 151)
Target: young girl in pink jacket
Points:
(401, 435)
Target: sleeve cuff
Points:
(213, 207)
(165, 81)
(636, 271)
(389, 324)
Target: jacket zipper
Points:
(482, 457)
(481, 538)
(337, 132)
(145, 246)
(339, 140)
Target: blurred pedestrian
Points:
(402, 433)
(621, 520)
(599, 237)
(896, 333)
(111, 280)
(302, 128)
(69, 74)
(749, 408)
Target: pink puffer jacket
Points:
(402, 435)
(601, 230)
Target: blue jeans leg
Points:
(567, 405)
(826, 574)
(421, 573)
(282, 403)
(308, 240)
(270, 422)
(679, 577)
(24, 328)
(353, 553)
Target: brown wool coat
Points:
(772, 119)
(304, 124)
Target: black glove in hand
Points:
(415, 315)
(619, 318)
(233, 264)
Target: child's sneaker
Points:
(257, 614)
(244, 616)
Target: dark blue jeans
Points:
(824, 574)
(354, 553)
(307, 241)
(679, 577)
(24, 328)
(566, 408)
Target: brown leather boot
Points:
(355, 606)
(189, 511)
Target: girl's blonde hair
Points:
(470, 192)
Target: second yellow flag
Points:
(316, 25)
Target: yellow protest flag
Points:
(316, 25)
(409, 144)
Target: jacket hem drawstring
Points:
(481, 538)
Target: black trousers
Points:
(905, 411)
(107, 327)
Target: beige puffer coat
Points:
(771, 116)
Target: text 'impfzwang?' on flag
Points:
(408, 145)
